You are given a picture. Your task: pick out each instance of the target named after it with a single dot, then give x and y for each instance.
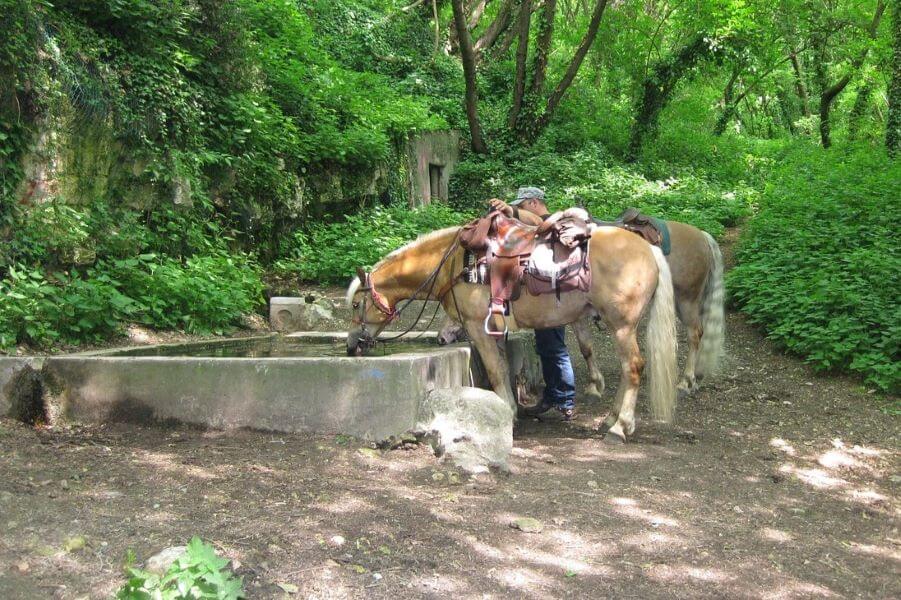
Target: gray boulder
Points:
(471, 427)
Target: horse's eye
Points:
(356, 305)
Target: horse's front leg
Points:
(582, 329)
(494, 359)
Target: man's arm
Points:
(527, 217)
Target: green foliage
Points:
(199, 573)
(590, 177)
(333, 251)
(819, 266)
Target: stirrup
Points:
(492, 332)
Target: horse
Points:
(629, 278)
(696, 265)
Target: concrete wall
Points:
(441, 148)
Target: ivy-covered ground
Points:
(774, 483)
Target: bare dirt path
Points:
(773, 483)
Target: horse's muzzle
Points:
(357, 342)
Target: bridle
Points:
(369, 340)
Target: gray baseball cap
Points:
(528, 193)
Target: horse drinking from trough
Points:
(629, 278)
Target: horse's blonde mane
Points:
(426, 237)
(352, 290)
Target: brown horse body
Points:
(629, 278)
(696, 265)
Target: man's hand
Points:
(498, 204)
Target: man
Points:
(559, 380)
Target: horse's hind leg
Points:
(582, 329)
(690, 315)
(621, 422)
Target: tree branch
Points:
(469, 74)
(574, 65)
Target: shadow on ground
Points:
(774, 483)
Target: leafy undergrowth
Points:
(331, 252)
(198, 573)
(819, 265)
(592, 178)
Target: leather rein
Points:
(378, 300)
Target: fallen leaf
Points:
(288, 588)
(527, 525)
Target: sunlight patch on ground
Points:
(630, 508)
(817, 478)
(442, 584)
(349, 503)
(775, 535)
(864, 451)
(838, 459)
(780, 444)
(653, 540)
(867, 496)
(799, 589)
(681, 573)
(881, 551)
(170, 464)
(525, 581)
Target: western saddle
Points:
(504, 252)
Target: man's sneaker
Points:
(568, 413)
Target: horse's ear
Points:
(362, 275)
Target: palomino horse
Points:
(629, 278)
(696, 264)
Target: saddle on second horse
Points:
(550, 258)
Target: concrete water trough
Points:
(293, 383)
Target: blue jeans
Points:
(559, 380)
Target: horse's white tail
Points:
(662, 344)
(713, 320)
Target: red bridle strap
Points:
(379, 300)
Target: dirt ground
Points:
(773, 483)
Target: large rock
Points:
(469, 426)
(311, 313)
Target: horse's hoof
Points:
(612, 437)
(593, 394)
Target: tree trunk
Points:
(571, 71)
(799, 83)
(786, 109)
(859, 110)
(469, 74)
(830, 93)
(522, 52)
(543, 46)
(893, 122)
(498, 26)
(659, 86)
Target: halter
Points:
(392, 313)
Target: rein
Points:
(392, 313)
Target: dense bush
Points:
(333, 251)
(819, 266)
(203, 294)
(590, 177)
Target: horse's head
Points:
(371, 313)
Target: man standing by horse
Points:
(559, 380)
